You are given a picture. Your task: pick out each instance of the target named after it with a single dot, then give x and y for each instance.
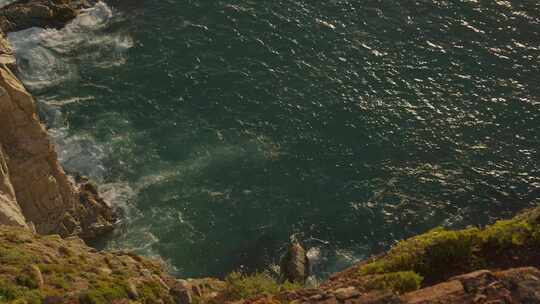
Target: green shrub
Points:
(103, 294)
(57, 268)
(59, 280)
(16, 257)
(150, 291)
(400, 282)
(429, 255)
(27, 281)
(506, 234)
(17, 294)
(241, 286)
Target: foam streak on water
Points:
(52, 59)
(231, 125)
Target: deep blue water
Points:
(222, 127)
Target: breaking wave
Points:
(52, 59)
(48, 57)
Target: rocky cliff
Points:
(10, 212)
(35, 191)
(497, 264)
(40, 204)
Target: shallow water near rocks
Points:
(222, 128)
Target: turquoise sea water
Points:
(222, 127)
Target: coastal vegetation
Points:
(440, 253)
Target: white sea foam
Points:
(38, 66)
(133, 232)
(50, 57)
(79, 153)
(118, 192)
(5, 2)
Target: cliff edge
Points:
(44, 213)
(496, 264)
(35, 192)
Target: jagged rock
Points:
(474, 281)
(379, 298)
(33, 186)
(10, 212)
(346, 293)
(98, 215)
(5, 47)
(35, 193)
(295, 263)
(6, 52)
(181, 292)
(196, 290)
(447, 291)
(39, 13)
(522, 283)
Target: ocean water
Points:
(219, 128)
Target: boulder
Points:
(40, 13)
(295, 263)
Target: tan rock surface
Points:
(10, 213)
(41, 13)
(32, 181)
(42, 190)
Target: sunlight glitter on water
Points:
(227, 127)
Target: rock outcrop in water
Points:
(40, 13)
(295, 263)
(515, 285)
(35, 191)
(497, 264)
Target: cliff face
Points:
(47, 198)
(10, 212)
(35, 190)
(496, 264)
(23, 14)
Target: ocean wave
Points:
(79, 153)
(49, 57)
(133, 233)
